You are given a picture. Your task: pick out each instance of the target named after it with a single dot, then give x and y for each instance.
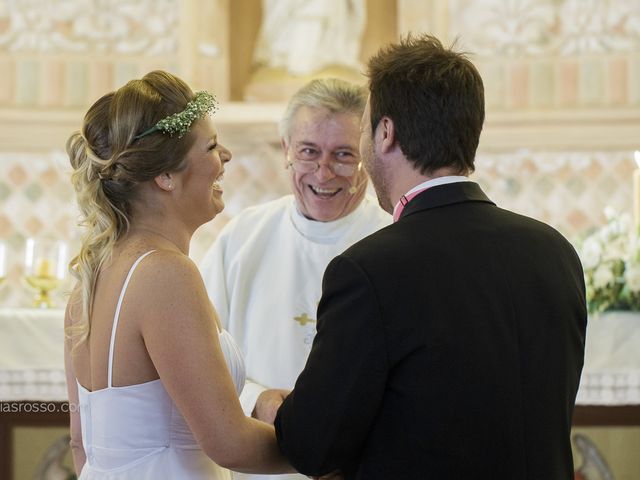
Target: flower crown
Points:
(203, 103)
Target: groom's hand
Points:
(268, 403)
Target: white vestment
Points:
(264, 277)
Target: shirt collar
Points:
(432, 183)
(325, 232)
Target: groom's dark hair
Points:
(435, 98)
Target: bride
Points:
(155, 378)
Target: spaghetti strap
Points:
(117, 317)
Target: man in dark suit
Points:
(450, 344)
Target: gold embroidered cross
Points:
(304, 319)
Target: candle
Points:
(636, 193)
(62, 261)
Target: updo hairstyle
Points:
(109, 164)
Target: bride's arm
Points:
(257, 401)
(77, 450)
(179, 330)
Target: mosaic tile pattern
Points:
(568, 190)
(37, 200)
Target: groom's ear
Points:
(386, 134)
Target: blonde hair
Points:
(109, 163)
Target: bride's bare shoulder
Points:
(164, 274)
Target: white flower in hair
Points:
(203, 103)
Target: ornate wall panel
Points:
(67, 53)
(144, 27)
(547, 28)
(553, 55)
(542, 54)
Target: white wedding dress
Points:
(136, 432)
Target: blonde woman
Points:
(155, 377)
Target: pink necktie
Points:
(404, 199)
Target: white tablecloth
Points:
(611, 374)
(32, 354)
(32, 357)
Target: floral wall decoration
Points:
(80, 26)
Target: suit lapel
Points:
(447, 194)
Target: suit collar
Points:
(448, 194)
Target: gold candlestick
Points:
(45, 262)
(43, 280)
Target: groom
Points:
(450, 344)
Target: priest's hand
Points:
(268, 403)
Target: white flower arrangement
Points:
(611, 261)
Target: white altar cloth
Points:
(611, 373)
(32, 354)
(32, 357)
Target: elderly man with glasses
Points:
(264, 272)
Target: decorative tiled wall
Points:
(571, 64)
(37, 200)
(568, 190)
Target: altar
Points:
(32, 355)
(32, 361)
(33, 387)
(33, 390)
(609, 392)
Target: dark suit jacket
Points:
(449, 346)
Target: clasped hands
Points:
(266, 409)
(268, 403)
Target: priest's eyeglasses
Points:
(338, 168)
